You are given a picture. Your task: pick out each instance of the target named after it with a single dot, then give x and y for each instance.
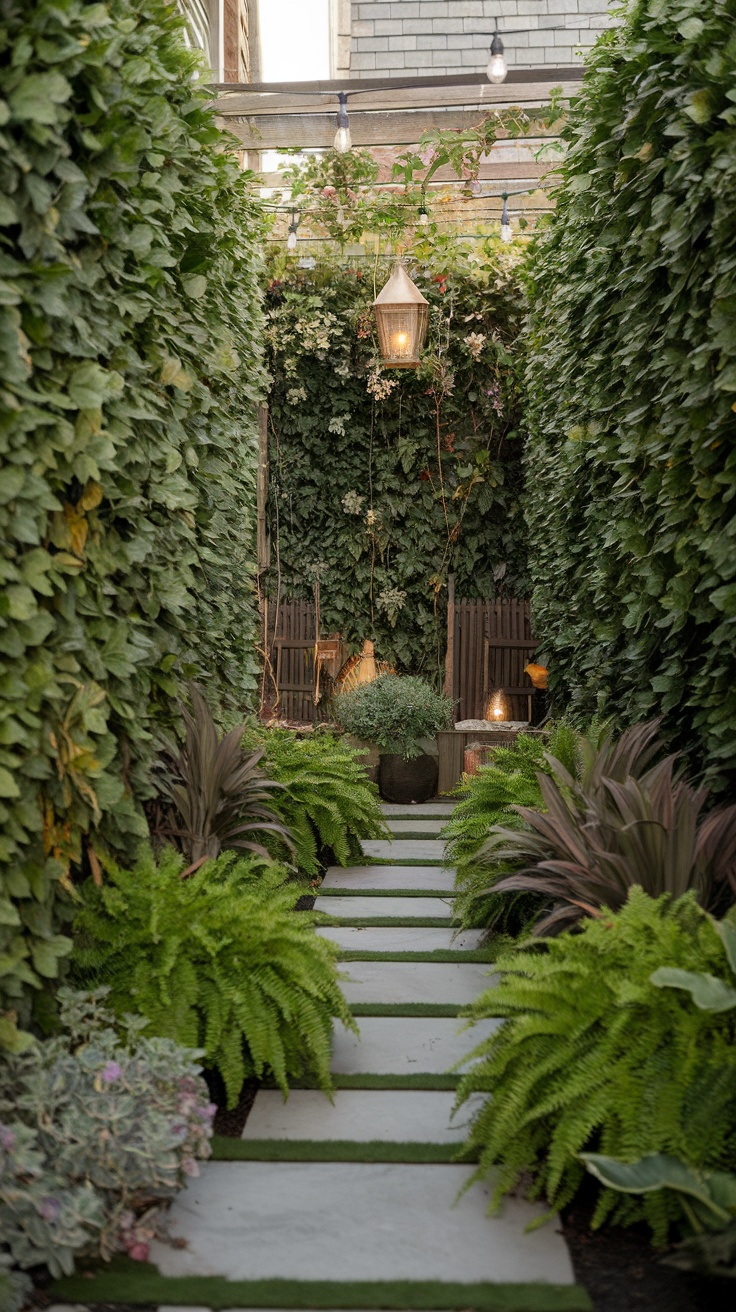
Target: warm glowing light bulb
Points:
(402, 339)
(497, 68)
(498, 712)
(343, 140)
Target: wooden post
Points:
(449, 684)
(263, 544)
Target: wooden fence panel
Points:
(492, 644)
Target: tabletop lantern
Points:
(401, 314)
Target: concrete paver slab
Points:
(404, 849)
(418, 808)
(362, 908)
(415, 981)
(354, 1221)
(393, 1115)
(408, 827)
(405, 1045)
(401, 938)
(370, 877)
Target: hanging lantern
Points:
(401, 314)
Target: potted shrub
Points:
(401, 714)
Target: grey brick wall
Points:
(394, 37)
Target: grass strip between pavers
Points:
(385, 892)
(336, 1150)
(416, 835)
(406, 1008)
(481, 955)
(372, 1080)
(400, 861)
(123, 1281)
(391, 922)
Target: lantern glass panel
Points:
(401, 331)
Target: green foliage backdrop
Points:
(631, 382)
(129, 328)
(383, 481)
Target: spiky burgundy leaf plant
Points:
(627, 821)
(221, 797)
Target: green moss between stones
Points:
(333, 1150)
(123, 1281)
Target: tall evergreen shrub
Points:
(129, 329)
(631, 384)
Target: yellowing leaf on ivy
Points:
(91, 497)
(174, 374)
(77, 527)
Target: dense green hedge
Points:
(357, 497)
(129, 355)
(631, 381)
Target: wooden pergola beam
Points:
(553, 77)
(513, 170)
(478, 93)
(317, 131)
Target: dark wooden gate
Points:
(493, 643)
(290, 640)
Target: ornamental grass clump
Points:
(99, 1126)
(593, 1056)
(395, 711)
(219, 960)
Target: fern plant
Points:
(488, 798)
(593, 1056)
(218, 961)
(325, 797)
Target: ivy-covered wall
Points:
(383, 481)
(631, 385)
(129, 354)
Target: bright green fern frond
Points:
(231, 968)
(593, 1056)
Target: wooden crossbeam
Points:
(553, 76)
(480, 93)
(310, 131)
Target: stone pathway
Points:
(334, 1197)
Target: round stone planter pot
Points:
(371, 756)
(407, 781)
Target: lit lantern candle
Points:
(402, 315)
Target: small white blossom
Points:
(352, 504)
(475, 343)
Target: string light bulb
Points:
(423, 215)
(343, 140)
(506, 231)
(497, 68)
(291, 239)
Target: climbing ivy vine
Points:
(381, 482)
(631, 385)
(129, 356)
